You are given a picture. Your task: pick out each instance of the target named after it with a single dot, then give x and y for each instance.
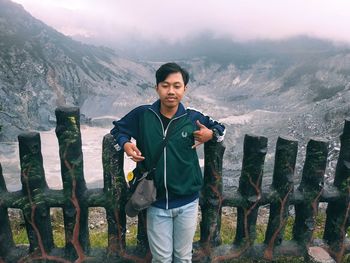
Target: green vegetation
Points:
(229, 228)
(98, 236)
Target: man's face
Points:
(171, 90)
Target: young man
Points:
(172, 218)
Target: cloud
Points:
(176, 20)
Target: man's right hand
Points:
(133, 152)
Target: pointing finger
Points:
(137, 158)
(196, 144)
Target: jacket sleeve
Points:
(210, 124)
(127, 127)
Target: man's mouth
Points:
(171, 98)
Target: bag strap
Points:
(161, 147)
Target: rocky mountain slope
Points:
(298, 87)
(41, 69)
(301, 94)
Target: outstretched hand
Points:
(133, 152)
(202, 135)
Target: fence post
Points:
(311, 187)
(75, 209)
(36, 212)
(212, 194)
(255, 148)
(282, 187)
(113, 174)
(6, 239)
(338, 211)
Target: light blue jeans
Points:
(170, 232)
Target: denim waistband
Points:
(175, 201)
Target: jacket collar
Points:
(180, 110)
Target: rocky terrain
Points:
(41, 69)
(298, 87)
(304, 98)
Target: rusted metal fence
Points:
(35, 200)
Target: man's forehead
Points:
(174, 78)
(169, 81)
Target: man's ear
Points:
(156, 87)
(185, 87)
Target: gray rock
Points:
(319, 255)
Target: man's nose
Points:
(171, 90)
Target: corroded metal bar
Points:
(338, 211)
(255, 148)
(75, 209)
(282, 187)
(114, 189)
(311, 187)
(35, 210)
(211, 202)
(6, 239)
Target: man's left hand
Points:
(202, 135)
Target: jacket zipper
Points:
(164, 135)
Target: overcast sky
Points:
(178, 19)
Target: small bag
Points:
(145, 194)
(142, 185)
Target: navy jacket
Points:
(178, 176)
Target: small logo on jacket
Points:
(184, 134)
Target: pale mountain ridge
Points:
(305, 83)
(42, 69)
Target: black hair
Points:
(166, 69)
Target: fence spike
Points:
(338, 211)
(35, 210)
(75, 209)
(6, 239)
(211, 202)
(114, 189)
(282, 185)
(311, 187)
(255, 148)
